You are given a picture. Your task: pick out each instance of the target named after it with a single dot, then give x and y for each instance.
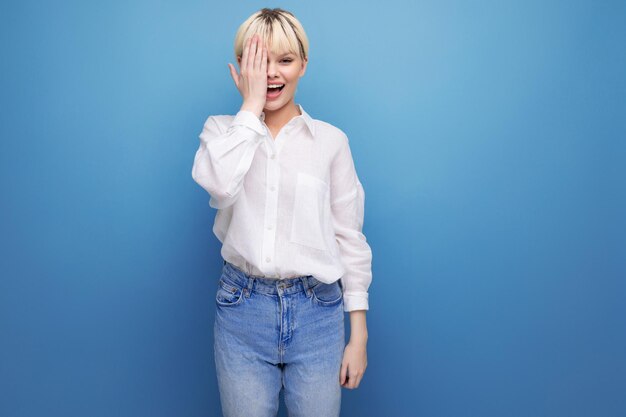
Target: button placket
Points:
(271, 210)
(285, 131)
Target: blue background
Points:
(489, 137)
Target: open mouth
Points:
(274, 89)
(274, 92)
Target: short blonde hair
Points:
(279, 29)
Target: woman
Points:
(290, 216)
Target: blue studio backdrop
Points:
(489, 138)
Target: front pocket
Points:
(327, 295)
(310, 211)
(227, 294)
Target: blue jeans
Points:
(272, 334)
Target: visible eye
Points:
(287, 60)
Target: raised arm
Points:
(223, 158)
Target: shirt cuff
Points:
(358, 301)
(250, 120)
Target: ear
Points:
(303, 68)
(239, 62)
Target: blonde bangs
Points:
(280, 31)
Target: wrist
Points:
(359, 333)
(255, 108)
(358, 338)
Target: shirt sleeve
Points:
(347, 207)
(223, 158)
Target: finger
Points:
(244, 57)
(342, 374)
(359, 379)
(259, 56)
(233, 73)
(264, 60)
(251, 55)
(354, 380)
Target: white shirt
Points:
(287, 206)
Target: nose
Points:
(272, 70)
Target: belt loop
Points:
(305, 283)
(249, 285)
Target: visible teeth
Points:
(275, 85)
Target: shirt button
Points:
(272, 188)
(272, 156)
(268, 259)
(269, 227)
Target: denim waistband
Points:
(268, 285)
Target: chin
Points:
(275, 105)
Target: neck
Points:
(283, 115)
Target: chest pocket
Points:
(311, 211)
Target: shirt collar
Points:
(308, 120)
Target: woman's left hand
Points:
(353, 364)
